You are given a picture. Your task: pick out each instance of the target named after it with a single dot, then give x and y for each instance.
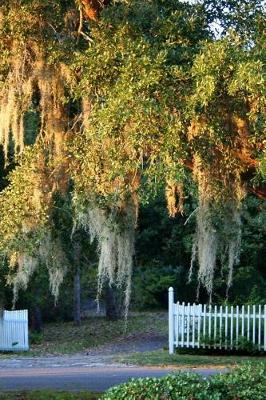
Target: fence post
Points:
(171, 319)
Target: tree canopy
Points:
(129, 97)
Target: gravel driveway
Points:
(95, 357)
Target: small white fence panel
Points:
(218, 327)
(14, 335)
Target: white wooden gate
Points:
(218, 327)
(14, 334)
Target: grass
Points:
(49, 395)
(162, 358)
(65, 338)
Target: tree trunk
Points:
(113, 303)
(76, 311)
(77, 288)
(36, 320)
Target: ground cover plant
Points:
(244, 383)
(186, 359)
(65, 338)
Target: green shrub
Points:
(246, 346)
(178, 386)
(36, 337)
(241, 346)
(244, 383)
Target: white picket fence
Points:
(14, 334)
(218, 327)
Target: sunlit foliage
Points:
(130, 97)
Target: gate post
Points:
(171, 319)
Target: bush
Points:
(178, 386)
(247, 382)
(244, 383)
(36, 337)
(242, 347)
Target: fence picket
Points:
(188, 324)
(221, 324)
(264, 347)
(26, 332)
(193, 326)
(254, 325)
(215, 325)
(248, 331)
(204, 325)
(231, 327)
(210, 325)
(237, 324)
(177, 324)
(243, 321)
(183, 325)
(226, 326)
(259, 327)
(199, 323)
